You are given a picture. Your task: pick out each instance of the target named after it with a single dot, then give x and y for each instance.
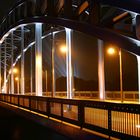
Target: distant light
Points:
(137, 126)
(15, 70)
(111, 51)
(16, 78)
(10, 71)
(63, 49)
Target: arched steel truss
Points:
(65, 13)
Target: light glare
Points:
(63, 49)
(111, 51)
(16, 78)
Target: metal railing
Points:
(113, 119)
(109, 95)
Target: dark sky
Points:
(5, 5)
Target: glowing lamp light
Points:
(16, 78)
(137, 126)
(63, 49)
(10, 71)
(111, 51)
(15, 70)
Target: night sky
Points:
(5, 5)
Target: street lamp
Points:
(112, 51)
(17, 79)
(63, 49)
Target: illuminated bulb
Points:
(15, 70)
(111, 51)
(16, 78)
(9, 71)
(63, 49)
(137, 126)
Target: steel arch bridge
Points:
(111, 21)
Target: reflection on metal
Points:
(5, 67)
(101, 76)
(38, 58)
(22, 61)
(12, 55)
(138, 61)
(121, 16)
(83, 7)
(69, 63)
(53, 70)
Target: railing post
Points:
(81, 114)
(109, 122)
(18, 100)
(29, 102)
(48, 108)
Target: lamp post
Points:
(111, 51)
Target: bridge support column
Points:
(38, 58)
(101, 76)
(138, 61)
(12, 55)
(5, 67)
(69, 63)
(53, 70)
(0, 67)
(31, 73)
(22, 62)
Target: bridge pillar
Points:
(22, 61)
(69, 63)
(53, 69)
(101, 76)
(138, 61)
(5, 67)
(12, 55)
(38, 58)
(31, 73)
(0, 67)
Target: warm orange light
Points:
(10, 71)
(16, 78)
(15, 70)
(111, 51)
(63, 49)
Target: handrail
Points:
(113, 119)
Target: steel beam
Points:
(5, 68)
(22, 62)
(12, 56)
(69, 63)
(0, 69)
(38, 58)
(101, 76)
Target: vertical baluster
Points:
(138, 124)
(135, 124)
